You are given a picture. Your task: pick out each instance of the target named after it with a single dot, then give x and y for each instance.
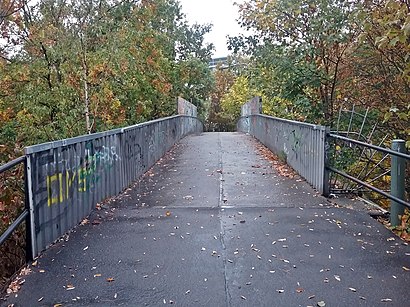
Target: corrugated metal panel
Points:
(302, 144)
(69, 177)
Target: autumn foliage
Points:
(69, 68)
(312, 57)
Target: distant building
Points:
(221, 62)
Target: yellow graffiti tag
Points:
(50, 179)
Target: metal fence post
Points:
(29, 248)
(397, 182)
(326, 172)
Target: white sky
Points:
(221, 13)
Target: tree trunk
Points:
(88, 124)
(87, 105)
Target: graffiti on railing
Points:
(67, 178)
(133, 150)
(296, 141)
(80, 173)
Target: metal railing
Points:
(25, 215)
(301, 145)
(333, 169)
(358, 167)
(67, 178)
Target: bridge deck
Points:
(237, 234)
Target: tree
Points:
(238, 94)
(224, 79)
(76, 67)
(380, 66)
(302, 42)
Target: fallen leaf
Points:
(299, 290)
(386, 300)
(25, 271)
(84, 222)
(110, 279)
(168, 213)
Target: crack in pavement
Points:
(222, 231)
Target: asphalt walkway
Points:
(213, 224)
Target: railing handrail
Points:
(21, 218)
(11, 164)
(93, 136)
(378, 148)
(289, 121)
(25, 215)
(369, 186)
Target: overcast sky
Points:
(221, 13)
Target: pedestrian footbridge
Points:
(162, 213)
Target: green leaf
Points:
(406, 29)
(387, 117)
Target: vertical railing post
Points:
(398, 166)
(326, 172)
(29, 250)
